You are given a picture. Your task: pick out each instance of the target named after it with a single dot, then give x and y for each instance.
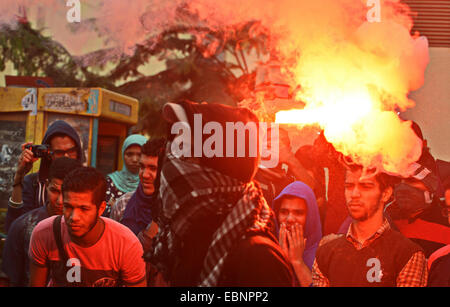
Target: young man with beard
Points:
(15, 252)
(371, 253)
(81, 248)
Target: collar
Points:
(351, 237)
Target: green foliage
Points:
(33, 54)
(201, 65)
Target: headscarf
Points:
(205, 212)
(313, 228)
(236, 166)
(124, 180)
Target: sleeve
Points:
(38, 250)
(117, 209)
(11, 215)
(439, 275)
(319, 280)
(28, 193)
(133, 266)
(28, 200)
(414, 273)
(14, 256)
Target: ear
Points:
(101, 208)
(386, 195)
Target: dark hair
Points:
(153, 147)
(86, 179)
(60, 167)
(384, 180)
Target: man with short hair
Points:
(371, 253)
(81, 248)
(134, 208)
(15, 252)
(29, 192)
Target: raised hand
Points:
(26, 160)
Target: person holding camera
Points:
(29, 191)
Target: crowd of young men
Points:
(223, 220)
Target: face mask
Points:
(409, 201)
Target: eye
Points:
(367, 185)
(299, 212)
(283, 211)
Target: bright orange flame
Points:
(359, 129)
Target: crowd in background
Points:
(316, 219)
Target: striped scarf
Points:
(191, 194)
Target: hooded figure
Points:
(123, 181)
(214, 223)
(312, 229)
(34, 193)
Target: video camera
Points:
(39, 151)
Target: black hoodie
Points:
(34, 193)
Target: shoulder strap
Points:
(57, 233)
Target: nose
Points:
(355, 192)
(75, 216)
(290, 218)
(59, 201)
(147, 174)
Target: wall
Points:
(432, 110)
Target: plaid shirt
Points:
(413, 274)
(119, 206)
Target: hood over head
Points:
(313, 228)
(59, 127)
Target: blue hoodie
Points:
(313, 227)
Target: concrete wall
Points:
(432, 110)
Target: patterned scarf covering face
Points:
(190, 194)
(124, 180)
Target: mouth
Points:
(75, 228)
(355, 205)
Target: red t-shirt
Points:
(114, 260)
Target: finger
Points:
(300, 232)
(25, 144)
(290, 239)
(282, 238)
(296, 236)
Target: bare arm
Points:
(24, 165)
(38, 275)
